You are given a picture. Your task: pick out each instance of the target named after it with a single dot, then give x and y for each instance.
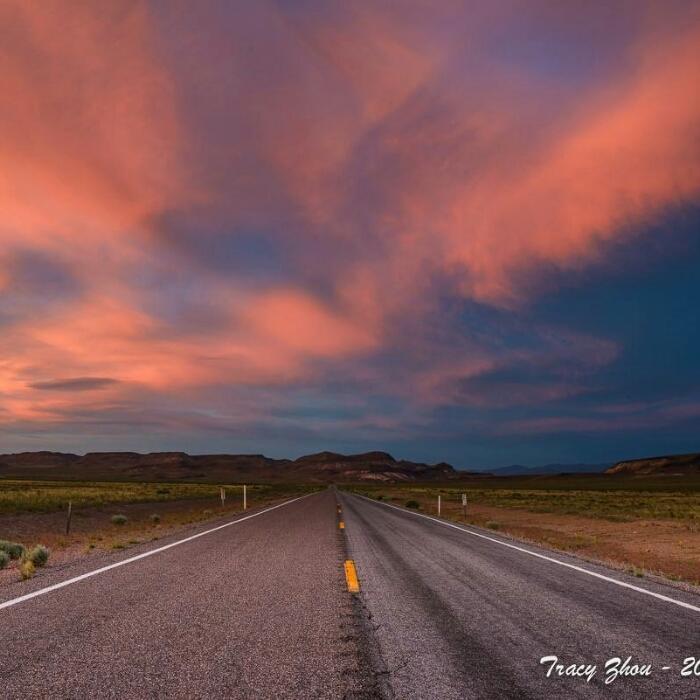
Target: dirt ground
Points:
(667, 548)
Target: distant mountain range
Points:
(323, 467)
(520, 470)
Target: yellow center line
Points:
(341, 525)
(351, 577)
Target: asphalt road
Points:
(255, 610)
(260, 609)
(459, 616)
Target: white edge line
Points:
(143, 555)
(624, 584)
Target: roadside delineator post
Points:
(464, 505)
(439, 505)
(245, 498)
(70, 512)
(223, 496)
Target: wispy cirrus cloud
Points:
(272, 197)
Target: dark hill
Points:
(668, 465)
(323, 467)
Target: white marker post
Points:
(245, 498)
(464, 505)
(223, 497)
(439, 505)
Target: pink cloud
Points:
(403, 161)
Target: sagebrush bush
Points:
(4, 559)
(26, 569)
(38, 555)
(14, 550)
(207, 513)
(155, 518)
(412, 504)
(119, 519)
(493, 524)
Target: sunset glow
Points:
(469, 235)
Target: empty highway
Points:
(260, 608)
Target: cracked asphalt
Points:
(458, 616)
(260, 609)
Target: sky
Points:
(460, 231)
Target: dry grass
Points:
(45, 496)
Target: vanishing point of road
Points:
(259, 606)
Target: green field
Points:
(46, 496)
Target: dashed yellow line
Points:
(341, 525)
(351, 577)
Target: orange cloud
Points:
(88, 131)
(392, 159)
(628, 153)
(302, 325)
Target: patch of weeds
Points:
(118, 545)
(154, 518)
(119, 519)
(207, 513)
(38, 555)
(26, 569)
(380, 497)
(134, 541)
(14, 550)
(493, 525)
(162, 492)
(636, 571)
(412, 504)
(4, 559)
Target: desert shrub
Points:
(38, 555)
(412, 504)
(14, 550)
(380, 497)
(119, 519)
(493, 525)
(26, 569)
(154, 518)
(162, 492)
(207, 513)
(4, 559)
